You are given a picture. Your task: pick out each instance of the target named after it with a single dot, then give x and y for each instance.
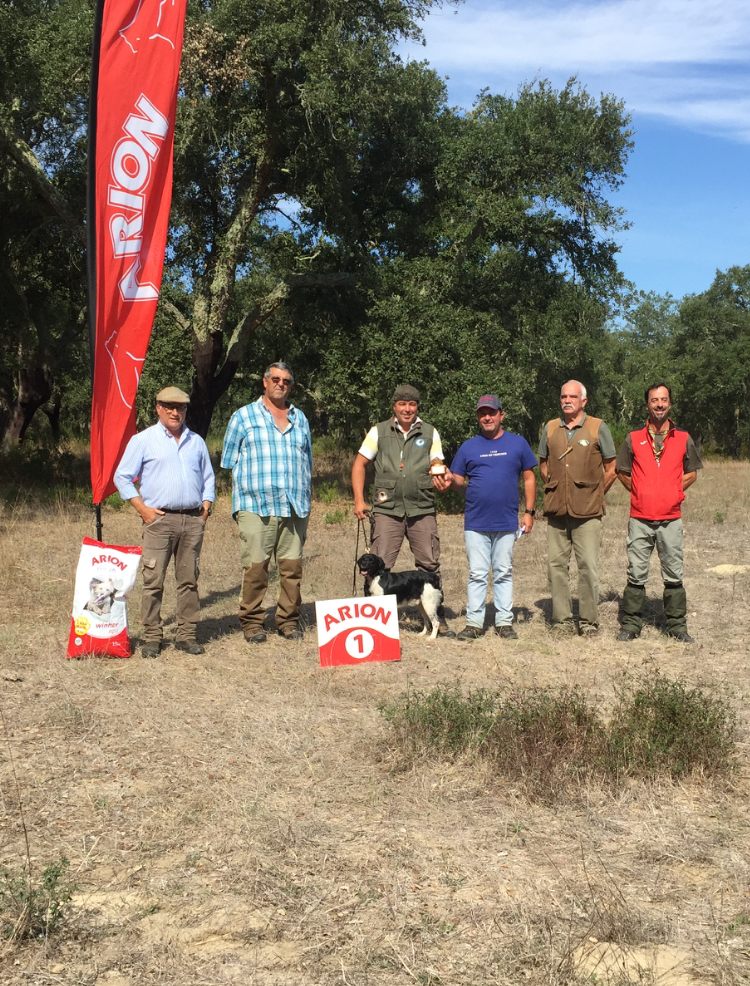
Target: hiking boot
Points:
(565, 627)
(588, 630)
(627, 635)
(150, 649)
(445, 631)
(294, 634)
(470, 633)
(682, 636)
(255, 638)
(506, 632)
(190, 647)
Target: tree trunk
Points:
(34, 388)
(208, 384)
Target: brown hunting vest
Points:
(575, 480)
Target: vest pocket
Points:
(426, 492)
(385, 495)
(586, 498)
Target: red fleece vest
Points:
(657, 487)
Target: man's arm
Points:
(529, 489)
(610, 474)
(127, 472)
(543, 470)
(626, 480)
(230, 448)
(688, 478)
(358, 485)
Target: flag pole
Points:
(91, 214)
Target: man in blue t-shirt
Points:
(492, 462)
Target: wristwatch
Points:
(531, 512)
(209, 511)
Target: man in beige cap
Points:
(175, 492)
(404, 450)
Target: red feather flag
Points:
(136, 65)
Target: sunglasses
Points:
(283, 381)
(173, 407)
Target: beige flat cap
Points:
(173, 395)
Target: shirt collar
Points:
(169, 434)
(579, 425)
(417, 421)
(289, 410)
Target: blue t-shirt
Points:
(493, 467)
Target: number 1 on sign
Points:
(359, 644)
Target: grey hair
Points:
(584, 395)
(279, 366)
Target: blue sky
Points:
(683, 69)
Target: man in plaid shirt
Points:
(268, 447)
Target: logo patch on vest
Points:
(583, 441)
(419, 442)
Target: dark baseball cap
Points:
(489, 400)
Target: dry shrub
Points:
(661, 727)
(546, 740)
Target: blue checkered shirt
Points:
(271, 470)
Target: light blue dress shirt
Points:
(171, 475)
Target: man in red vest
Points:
(657, 464)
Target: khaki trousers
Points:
(178, 536)
(388, 534)
(262, 538)
(583, 536)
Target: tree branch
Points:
(28, 164)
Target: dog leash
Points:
(360, 527)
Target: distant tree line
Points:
(332, 210)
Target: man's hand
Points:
(443, 481)
(360, 510)
(206, 507)
(148, 514)
(528, 522)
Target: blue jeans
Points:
(485, 549)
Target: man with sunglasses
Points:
(268, 447)
(492, 462)
(175, 493)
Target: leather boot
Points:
(254, 585)
(675, 607)
(633, 599)
(290, 595)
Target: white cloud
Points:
(681, 59)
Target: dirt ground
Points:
(243, 817)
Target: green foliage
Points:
(328, 493)
(546, 740)
(662, 727)
(336, 517)
(30, 909)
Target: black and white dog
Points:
(422, 588)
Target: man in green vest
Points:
(577, 465)
(405, 450)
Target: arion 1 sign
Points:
(357, 631)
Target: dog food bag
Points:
(104, 577)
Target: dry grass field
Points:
(245, 817)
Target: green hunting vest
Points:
(575, 471)
(403, 484)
